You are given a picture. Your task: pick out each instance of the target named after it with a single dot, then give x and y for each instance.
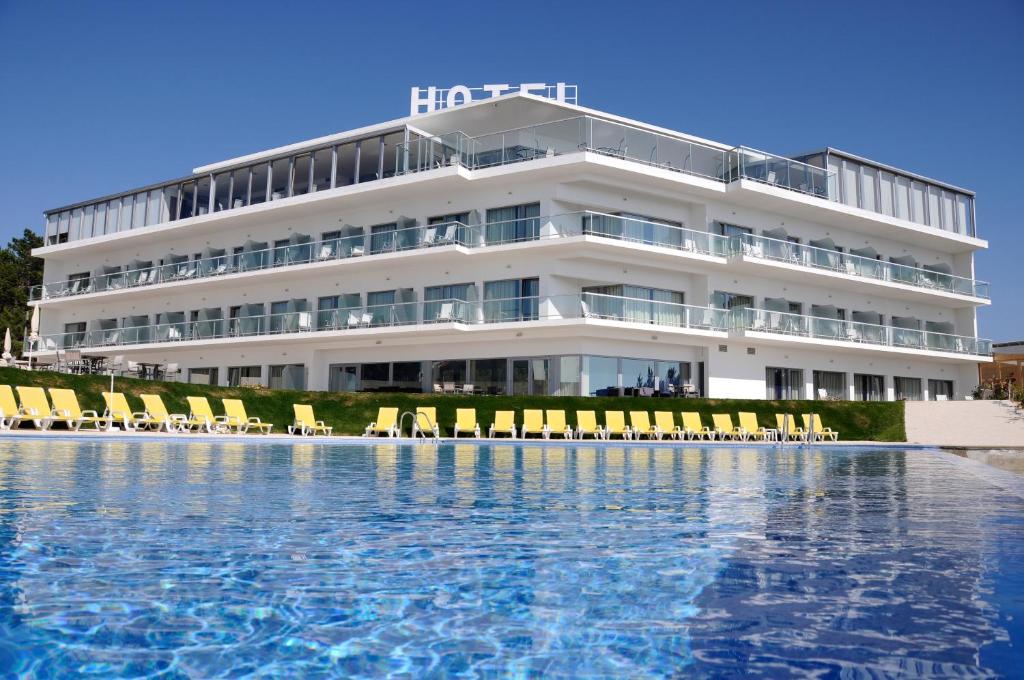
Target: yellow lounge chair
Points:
(641, 423)
(504, 423)
(664, 421)
(65, 405)
(817, 429)
(202, 416)
(156, 415)
(533, 423)
(556, 424)
(120, 413)
(386, 423)
(615, 424)
(725, 428)
(465, 422)
(693, 428)
(788, 427)
(35, 407)
(306, 423)
(234, 410)
(586, 423)
(426, 422)
(748, 421)
(10, 412)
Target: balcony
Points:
(250, 321)
(848, 263)
(254, 256)
(745, 320)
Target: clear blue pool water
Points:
(196, 559)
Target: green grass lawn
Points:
(350, 412)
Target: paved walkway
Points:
(965, 423)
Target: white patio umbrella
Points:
(7, 343)
(33, 333)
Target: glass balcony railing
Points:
(784, 323)
(556, 138)
(782, 172)
(588, 306)
(394, 240)
(777, 250)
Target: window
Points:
(511, 300)
(202, 196)
(74, 334)
(287, 377)
(239, 376)
(721, 299)
(868, 177)
(221, 191)
(302, 167)
(240, 188)
(382, 238)
(442, 303)
(370, 159)
(260, 183)
(406, 376)
(490, 376)
(186, 205)
(448, 372)
(940, 388)
(907, 389)
(202, 376)
(347, 166)
(381, 305)
(631, 227)
(783, 383)
(323, 164)
(635, 304)
(602, 375)
(832, 382)
(279, 175)
(723, 229)
(869, 387)
(512, 223)
(568, 368)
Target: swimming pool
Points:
(128, 558)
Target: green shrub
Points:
(350, 412)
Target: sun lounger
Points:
(787, 427)
(586, 423)
(693, 428)
(201, 416)
(556, 424)
(504, 423)
(35, 407)
(748, 421)
(641, 424)
(67, 411)
(234, 410)
(465, 422)
(306, 423)
(425, 422)
(615, 424)
(725, 428)
(157, 414)
(816, 429)
(386, 423)
(664, 421)
(533, 423)
(10, 412)
(121, 414)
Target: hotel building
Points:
(529, 246)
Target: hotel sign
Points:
(427, 99)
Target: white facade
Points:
(574, 253)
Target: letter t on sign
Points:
(422, 104)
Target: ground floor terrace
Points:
(584, 360)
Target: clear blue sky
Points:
(98, 97)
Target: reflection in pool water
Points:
(129, 558)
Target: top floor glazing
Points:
(403, 150)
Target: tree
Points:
(18, 271)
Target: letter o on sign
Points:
(454, 93)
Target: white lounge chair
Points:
(446, 312)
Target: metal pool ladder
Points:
(401, 423)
